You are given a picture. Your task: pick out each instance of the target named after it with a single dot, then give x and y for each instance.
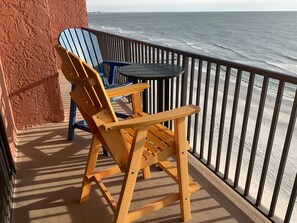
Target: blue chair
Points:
(85, 45)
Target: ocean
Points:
(261, 39)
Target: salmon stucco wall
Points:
(29, 30)
(29, 63)
(67, 14)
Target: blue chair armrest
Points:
(112, 68)
(116, 63)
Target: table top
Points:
(151, 71)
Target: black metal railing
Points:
(246, 130)
(7, 170)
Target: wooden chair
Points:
(85, 45)
(135, 143)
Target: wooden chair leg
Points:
(146, 172)
(130, 176)
(182, 168)
(90, 168)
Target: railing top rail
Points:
(256, 70)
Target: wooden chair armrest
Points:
(153, 119)
(125, 90)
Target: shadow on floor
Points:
(49, 174)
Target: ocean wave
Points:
(192, 45)
(107, 28)
(291, 68)
(287, 56)
(122, 31)
(232, 50)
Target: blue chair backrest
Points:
(85, 45)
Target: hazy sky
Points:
(190, 5)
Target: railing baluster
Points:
(213, 115)
(244, 128)
(172, 58)
(177, 88)
(178, 59)
(146, 54)
(291, 202)
(158, 55)
(143, 53)
(197, 103)
(133, 52)
(111, 48)
(232, 125)
(222, 121)
(184, 87)
(136, 54)
(119, 49)
(167, 57)
(139, 53)
(154, 55)
(191, 95)
(284, 157)
(256, 135)
(162, 56)
(270, 142)
(127, 51)
(114, 47)
(154, 96)
(205, 104)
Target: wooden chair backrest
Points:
(85, 45)
(94, 104)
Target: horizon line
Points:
(98, 11)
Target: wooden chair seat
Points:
(135, 143)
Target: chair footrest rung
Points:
(171, 170)
(149, 208)
(105, 173)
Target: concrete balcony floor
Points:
(49, 174)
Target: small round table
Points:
(149, 71)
